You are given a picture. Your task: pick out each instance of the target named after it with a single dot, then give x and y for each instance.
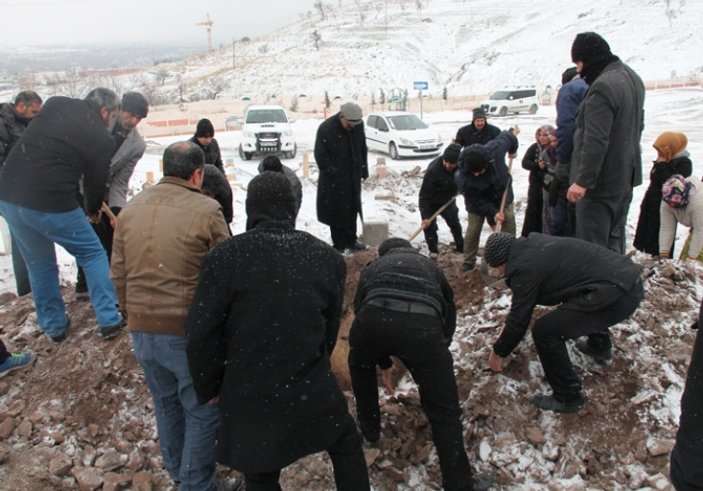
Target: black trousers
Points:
(350, 472)
(4, 354)
(343, 237)
(552, 330)
(451, 217)
(418, 341)
(105, 233)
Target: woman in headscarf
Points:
(538, 169)
(682, 202)
(672, 158)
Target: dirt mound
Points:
(82, 417)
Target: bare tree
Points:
(316, 39)
(382, 97)
(418, 6)
(161, 75)
(216, 85)
(321, 8)
(328, 103)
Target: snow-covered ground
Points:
(666, 110)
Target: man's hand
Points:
(575, 193)
(426, 223)
(214, 400)
(495, 362)
(542, 165)
(95, 219)
(499, 218)
(387, 376)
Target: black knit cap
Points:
(497, 249)
(451, 153)
(589, 46)
(269, 197)
(272, 163)
(479, 113)
(393, 243)
(204, 129)
(568, 75)
(135, 103)
(475, 161)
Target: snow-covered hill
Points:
(467, 46)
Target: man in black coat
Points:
(405, 307)
(261, 328)
(438, 187)
(205, 138)
(273, 164)
(68, 141)
(341, 156)
(594, 288)
(479, 131)
(607, 161)
(483, 178)
(14, 119)
(687, 455)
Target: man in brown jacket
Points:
(161, 237)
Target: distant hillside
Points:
(358, 48)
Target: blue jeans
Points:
(187, 430)
(35, 233)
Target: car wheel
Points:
(244, 155)
(533, 109)
(503, 111)
(291, 155)
(393, 151)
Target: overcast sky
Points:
(56, 22)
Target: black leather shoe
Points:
(602, 357)
(111, 332)
(483, 481)
(466, 267)
(358, 246)
(549, 403)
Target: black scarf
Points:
(592, 69)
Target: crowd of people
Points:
(234, 333)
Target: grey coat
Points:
(607, 159)
(122, 166)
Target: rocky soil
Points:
(82, 418)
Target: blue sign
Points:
(420, 85)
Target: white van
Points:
(515, 99)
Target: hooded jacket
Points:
(483, 193)
(262, 326)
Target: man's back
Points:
(67, 140)
(607, 159)
(162, 235)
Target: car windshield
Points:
(407, 122)
(500, 95)
(266, 116)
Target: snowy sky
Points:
(78, 22)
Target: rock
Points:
(14, 409)
(371, 455)
(550, 452)
(484, 450)
(4, 388)
(4, 454)
(135, 461)
(637, 478)
(88, 478)
(24, 429)
(60, 465)
(115, 482)
(110, 461)
(7, 427)
(657, 447)
(93, 429)
(640, 451)
(535, 436)
(143, 481)
(659, 481)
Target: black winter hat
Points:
(479, 113)
(204, 129)
(451, 153)
(589, 46)
(135, 103)
(497, 248)
(475, 161)
(268, 188)
(568, 75)
(393, 243)
(272, 163)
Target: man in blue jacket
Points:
(483, 178)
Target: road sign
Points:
(417, 85)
